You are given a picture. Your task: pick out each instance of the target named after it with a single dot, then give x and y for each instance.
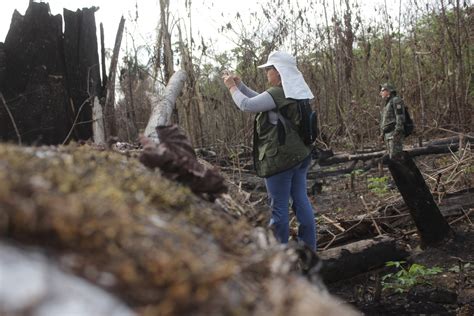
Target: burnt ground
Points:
(443, 284)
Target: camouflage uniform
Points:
(391, 123)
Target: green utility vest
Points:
(271, 154)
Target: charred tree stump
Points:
(430, 223)
(34, 81)
(83, 68)
(49, 79)
(352, 259)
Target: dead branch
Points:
(162, 109)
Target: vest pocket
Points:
(266, 151)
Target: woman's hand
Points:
(236, 79)
(229, 81)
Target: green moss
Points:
(120, 216)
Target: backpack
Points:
(308, 123)
(308, 127)
(408, 125)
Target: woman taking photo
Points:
(280, 155)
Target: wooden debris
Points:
(445, 146)
(352, 259)
(176, 158)
(431, 225)
(163, 108)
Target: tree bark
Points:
(34, 81)
(98, 129)
(49, 77)
(82, 67)
(163, 109)
(431, 225)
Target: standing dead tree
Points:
(50, 79)
(49, 75)
(109, 106)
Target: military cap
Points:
(387, 86)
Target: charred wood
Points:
(436, 147)
(82, 67)
(49, 78)
(34, 81)
(352, 259)
(432, 226)
(3, 65)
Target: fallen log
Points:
(451, 140)
(352, 259)
(446, 146)
(453, 204)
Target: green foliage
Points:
(405, 278)
(469, 170)
(378, 185)
(355, 173)
(456, 269)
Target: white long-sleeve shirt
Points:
(248, 100)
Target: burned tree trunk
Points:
(82, 67)
(34, 81)
(49, 83)
(430, 223)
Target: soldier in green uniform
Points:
(392, 120)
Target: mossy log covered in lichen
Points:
(164, 250)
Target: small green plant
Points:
(358, 172)
(402, 280)
(378, 185)
(469, 169)
(355, 173)
(456, 269)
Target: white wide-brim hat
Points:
(292, 80)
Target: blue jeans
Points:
(282, 186)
